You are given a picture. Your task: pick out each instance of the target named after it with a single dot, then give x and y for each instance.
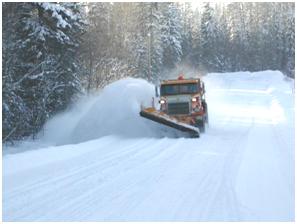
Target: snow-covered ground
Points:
(100, 161)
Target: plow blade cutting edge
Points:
(162, 118)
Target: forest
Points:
(52, 53)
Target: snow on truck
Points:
(182, 105)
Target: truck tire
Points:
(205, 111)
(201, 125)
(194, 135)
(206, 117)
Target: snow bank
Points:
(113, 111)
(265, 81)
(222, 90)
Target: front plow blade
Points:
(162, 118)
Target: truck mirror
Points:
(156, 91)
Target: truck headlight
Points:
(162, 101)
(194, 99)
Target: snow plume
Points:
(113, 111)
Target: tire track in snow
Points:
(88, 175)
(135, 180)
(172, 157)
(219, 183)
(205, 182)
(284, 154)
(225, 189)
(71, 178)
(194, 200)
(73, 172)
(47, 179)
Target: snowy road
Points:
(241, 169)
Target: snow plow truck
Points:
(181, 105)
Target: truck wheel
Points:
(204, 104)
(206, 117)
(201, 126)
(195, 135)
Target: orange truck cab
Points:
(184, 99)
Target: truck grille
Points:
(178, 108)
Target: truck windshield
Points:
(174, 89)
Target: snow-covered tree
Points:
(171, 35)
(189, 27)
(95, 41)
(208, 36)
(289, 36)
(45, 78)
(148, 40)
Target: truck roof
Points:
(180, 81)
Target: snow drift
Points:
(113, 111)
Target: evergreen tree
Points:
(208, 37)
(95, 42)
(149, 41)
(171, 35)
(46, 75)
(289, 68)
(187, 18)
